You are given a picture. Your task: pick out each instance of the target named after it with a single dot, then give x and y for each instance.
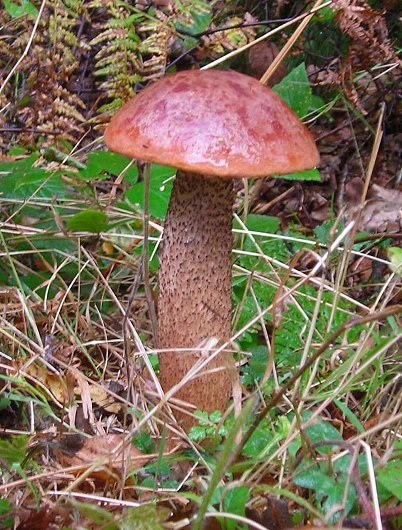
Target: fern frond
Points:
(117, 45)
(44, 77)
(369, 46)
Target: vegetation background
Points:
(316, 277)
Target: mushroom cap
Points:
(213, 122)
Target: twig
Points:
(236, 26)
(29, 130)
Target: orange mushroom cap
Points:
(213, 122)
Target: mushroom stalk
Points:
(195, 288)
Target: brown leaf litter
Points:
(100, 457)
(382, 211)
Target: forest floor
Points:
(312, 437)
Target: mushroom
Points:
(213, 126)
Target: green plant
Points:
(209, 427)
(389, 476)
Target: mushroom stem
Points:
(195, 288)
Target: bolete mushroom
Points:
(213, 126)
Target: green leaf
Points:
(97, 515)
(295, 90)
(395, 257)
(325, 232)
(149, 483)
(222, 462)
(336, 497)
(197, 434)
(350, 415)
(202, 417)
(5, 506)
(257, 365)
(315, 479)
(147, 517)
(329, 491)
(13, 451)
(323, 431)
(390, 478)
(342, 466)
(92, 221)
(161, 468)
(317, 103)
(215, 417)
(17, 11)
(36, 181)
(235, 502)
(208, 426)
(326, 15)
(145, 443)
(20, 179)
(260, 223)
(160, 189)
(320, 432)
(31, 282)
(4, 402)
(198, 20)
(259, 440)
(102, 163)
(309, 174)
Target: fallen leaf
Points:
(54, 383)
(361, 271)
(275, 516)
(260, 57)
(101, 397)
(109, 455)
(382, 211)
(49, 517)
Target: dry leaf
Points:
(54, 383)
(260, 57)
(109, 455)
(97, 394)
(362, 270)
(275, 516)
(100, 396)
(49, 517)
(382, 211)
(84, 392)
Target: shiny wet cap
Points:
(213, 122)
